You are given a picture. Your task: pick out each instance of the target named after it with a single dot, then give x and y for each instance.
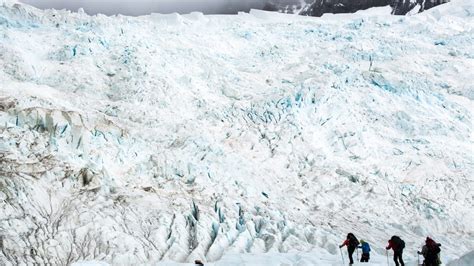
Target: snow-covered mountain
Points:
(132, 140)
(319, 7)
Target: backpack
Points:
(398, 243)
(365, 248)
(353, 241)
(434, 249)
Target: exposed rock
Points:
(319, 7)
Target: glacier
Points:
(257, 138)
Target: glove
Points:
(341, 246)
(387, 248)
(419, 253)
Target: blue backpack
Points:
(365, 248)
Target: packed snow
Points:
(257, 138)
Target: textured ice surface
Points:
(136, 140)
(465, 260)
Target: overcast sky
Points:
(140, 7)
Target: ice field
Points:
(249, 139)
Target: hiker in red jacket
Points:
(397, 244)
(351, 242)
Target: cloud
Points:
(141, 7)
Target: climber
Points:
(351, 242)
(397, 244)
(430, 252)
(365, 251)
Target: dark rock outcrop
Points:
(402, 7)
(319, 7)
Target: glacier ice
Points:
(133, 140)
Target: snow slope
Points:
(173, 138)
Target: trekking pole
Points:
(386, 252)
(342, 257)
(357, 253)
(418, 258)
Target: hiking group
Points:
(430, 250)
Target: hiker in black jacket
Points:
(352, 243)
(430, 252)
